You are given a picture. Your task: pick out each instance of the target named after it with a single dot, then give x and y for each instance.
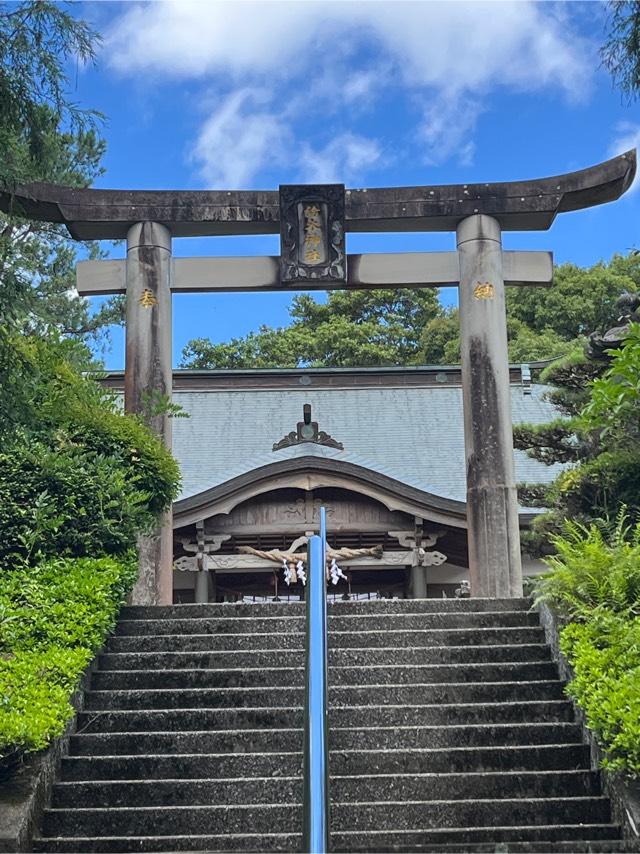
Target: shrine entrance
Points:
(312, 222)
(245, 554)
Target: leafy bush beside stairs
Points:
(79, 481)
(53, 619)
(594, 579)
(605, 654)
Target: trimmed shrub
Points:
(35, 688)
(605, 654)
(53, 619)
(67, 497)
(78, 482)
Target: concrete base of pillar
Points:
(202, 587)
(155, 567)
(418, 582)
(495, 568)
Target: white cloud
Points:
(463, 45)
(345, 159)
(238, 139)
(327, 56)
(361, 87)
(190, 38)
(627, 137)
(447, 128)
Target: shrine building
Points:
(381, 448)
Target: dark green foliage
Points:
(440, 339)
(533, 494)
(53, 618)
(614, 406)
(599, 438)
(594, 579)
(44, 136)
(76, 476)
(37, 38)
(556, 442)
(595, 567)
(365, 328)
(600, 487)
(267, 348)
(37, 260)
(65, 497)
(571, 375)
(550, 443)
(582, 300)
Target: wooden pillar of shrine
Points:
(495, 567)
(148, 381)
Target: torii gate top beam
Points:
(92, 214)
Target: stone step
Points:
(361, 815)
(544, 757)
(348, 738)
(543, 838)
(390, 656)
(270, 790)
(428, 694)
(352, 623)
(588, 838)
(377, 606)
(166, 642)
(615, 846)
(280, 676)
(185, 720)
(449, 731)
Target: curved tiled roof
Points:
(411, 434)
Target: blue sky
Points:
(243, 94)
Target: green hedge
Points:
(605, 654)
(81, 496)
(594, 579)
(53, 619)
(78, 482)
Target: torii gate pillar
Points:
(148, 382)
(495, 566)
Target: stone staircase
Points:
(449, 732)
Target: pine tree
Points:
(596, 438)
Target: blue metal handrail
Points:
(315, 828)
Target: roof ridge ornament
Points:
(307, 431)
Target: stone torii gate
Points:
(312, 221)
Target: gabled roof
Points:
(410, 434)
